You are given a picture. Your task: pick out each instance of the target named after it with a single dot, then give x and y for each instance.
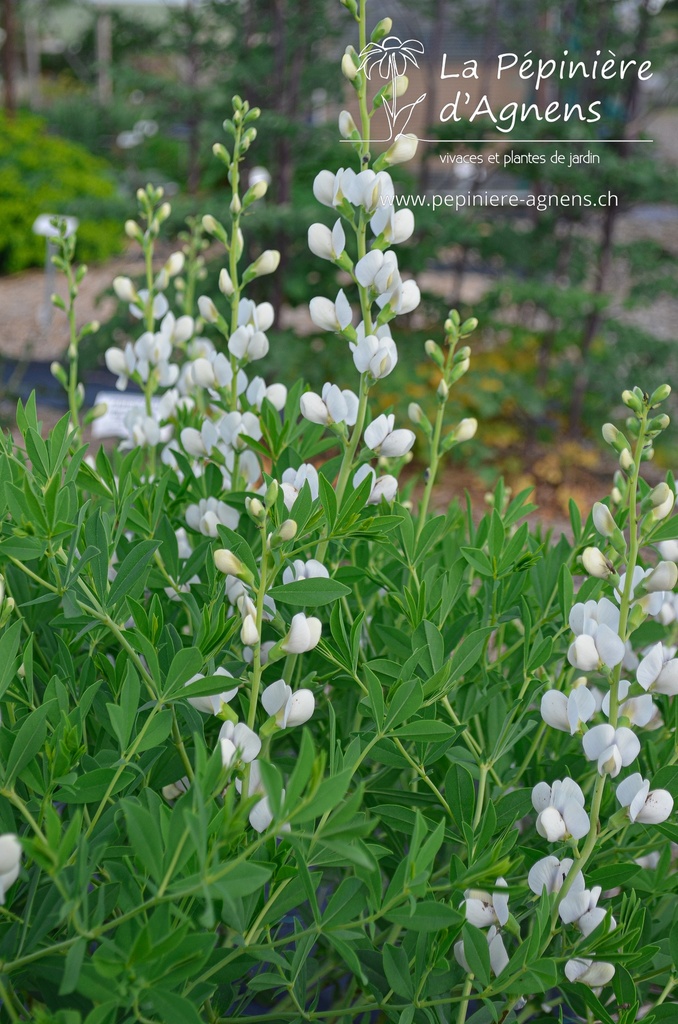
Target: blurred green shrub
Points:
(40, 173)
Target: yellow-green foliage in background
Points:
(41, 173)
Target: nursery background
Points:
(338, 555)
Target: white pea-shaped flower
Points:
(664, 576)
(568, 713)
(303, 634)
(293, 480)
(612, 748)
(326, 244)
(212, 704)
(560, 810)
(210, 513)
(595, 975)
(550, 873)
(375, 354)
(382, 438)
(238, 743)
(498, 956)
(385, 486)
(331, 316)
(658, 671)
(639, 710)
(333, 406)
(288, 707)
(10, 862)
(650, 807)
(484, 909)
(309, 570)
(597, 641)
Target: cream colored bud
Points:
(175, 264)
(258, 190)
(132, 229)
(596, 564)
(255, 508)
(209, 224)
(225, 282)
(415, 412)
(466, 429)
(228, 563)
(163, 212)
(663, 499)
(124, 289)
(610, 433)
(236, 205)
(287, 530)
(626, 460)
(249, 634)
(402, 150)
(348, 68)
(664, 576)
(443, 390)
(347, 126)
(267, 263)
(603, 520)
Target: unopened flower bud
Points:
(229, 563)
(236, 205)
(249, 634)
(596, 564)
(208, 311)
(347, 126)
(402, 150)
(255, 509)
(630, 400)
(381, 30)
(267, 263)
(466, 429)
(659, 423)
(626, 460)
(415, 412)
(272, 492)
(348, 68)
(443, 391)
(209, 224)
(603, 520)
(124, 289)
(660, 395)
(663, 577)
(663, 499)
(434, 352)
(287, 530)
(225, 282)
(132, 230)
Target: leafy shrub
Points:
(43, 174)
(279, 747)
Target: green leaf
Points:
(173, 1008)
(478, 560)
(132, 571)
(330, 793)
(185, 664)
(9, 646)
(426, 730)
(72, 966)
(397, 970)
(468, 652)
(28, 741)
(477, 952)
(461, 794)
(407, 700)
(311, 593)
(92, 787)
(427, 916)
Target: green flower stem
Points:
(256, 662)
(480, 795)
(470, 740)
(8, 996)
(72, 350)
(465, 996)
(434, 448)
(233, 258)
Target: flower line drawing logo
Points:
(391, 58)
